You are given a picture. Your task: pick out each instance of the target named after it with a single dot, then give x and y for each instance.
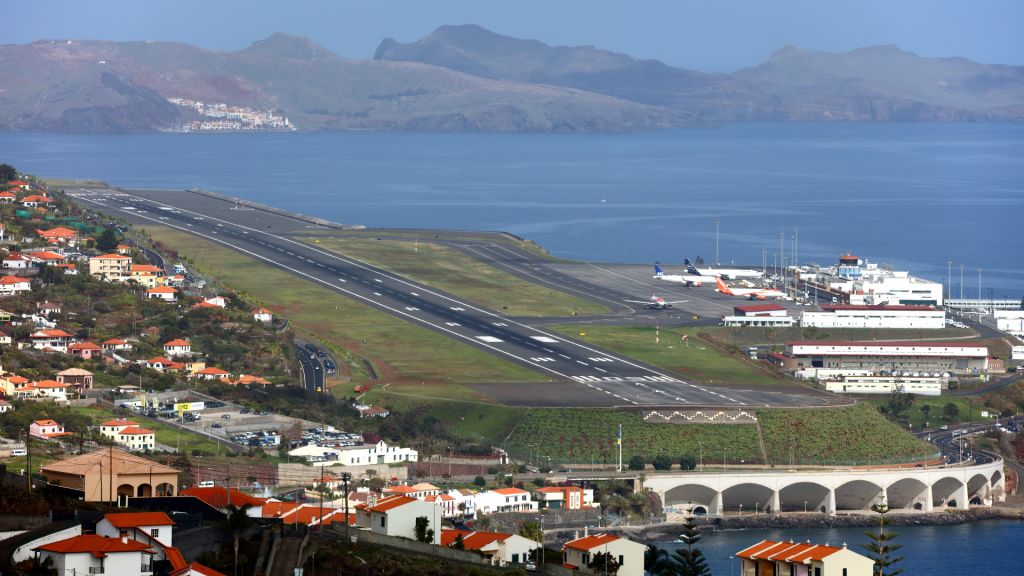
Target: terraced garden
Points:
(570, 435)
(847, 436)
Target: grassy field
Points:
(449, 270)
(931, 409)
(693, 359)
(584, 436)
(396, 349)
(166, 434)
(852, 435)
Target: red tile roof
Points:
(760, 308)
(211, 371)
(134, 430)
(162, 290)
(509, 491)
(392, 502)
(98, 546)
(84, 346)
(119, 422)
(175, 558)
(136, 519)
(588, 543)
(217, 497)
(197, 568)
(177, 342)
(787, 551)
(49, 334)
(13, 280)
(111, 257)
(472, 540)
(45, 423)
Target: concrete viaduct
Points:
(830, 491)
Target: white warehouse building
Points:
(866, 316)
(379, 453)
(1011, 321)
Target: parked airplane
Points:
(727, 273)
(752, 293)
(656, 303)
(688, 279)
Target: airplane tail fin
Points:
(658, 271)
(690, 267)
(723, 288)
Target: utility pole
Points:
(949, 278)
(28, 455)
(961, 281)
(979, 283)
(345, 478)
(110, 488)
(618, 440)
(320, 523)
(717, 261)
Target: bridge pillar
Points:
(883, 497)
(928, 502)
(961, 497)
(999, 489)
(774, 502)
(717, 505)
(830, 502)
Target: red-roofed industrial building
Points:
(803, 559)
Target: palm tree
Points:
(237, 522)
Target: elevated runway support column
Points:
(830, 503)
(774, 503)
(929, 504)
(717, 507)
(961, 497)
(883, 497)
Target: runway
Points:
(586, 375)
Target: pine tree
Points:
(881, 546)
(691, 561)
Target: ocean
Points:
(914, 196)
(988, 548)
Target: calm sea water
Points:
(911, 195)
(991, 548)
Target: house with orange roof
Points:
(68, 268)
(8, 197)
(123, 249)
(20, 184)
(129, 434)
(147, 527)
(262, 315)
(165, 293)
(211, 373)
(11, 285)
(372, 412)
(111, 267)
(220, 497)
(51, 339)
(504, 500)
(564, 497)
(44, 257)
(249, 379)
(116, 344)
(308, 514)
(36, 201)
(161, 364)
(58, 234)
(578, 553)
(447, 503)
(499, 548)
(177, 347)
(95, 554)
(803, 559)
(85, 350)
(44, 390)
(147, 275)
(396, 516)
(46, 429)
(9, 383)
(216, 301)
(16, 261)
(5, 406)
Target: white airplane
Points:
(752, 293)
(688, 279)
(657, 303)
(727, 273)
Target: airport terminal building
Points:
(866, 316)
(879, 357)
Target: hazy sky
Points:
(712, 35)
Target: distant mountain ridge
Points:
(467, 78)
(880, 83)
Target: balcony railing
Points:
(95, 569)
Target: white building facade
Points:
(852, 316)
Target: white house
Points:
(803, 559)
(95, 554)
(11, 285)
(379, 453)
(127, 433)
(578, 553)
(177, 348)
(146, 527)
(504, 500)
(500, 549)
(53, 339)
(262, 315)
(16, 261)
(465, 500)
(165, 293)
(396, 516)
(46, 429)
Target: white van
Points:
(19, 452)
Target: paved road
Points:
(587, 374)
(312, 368)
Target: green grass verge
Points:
(398, 350)
(693, 359)
(574, 435)
(449, 270)
(165, 434)
(932, 409)
(857, 434)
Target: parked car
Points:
(226, 416)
